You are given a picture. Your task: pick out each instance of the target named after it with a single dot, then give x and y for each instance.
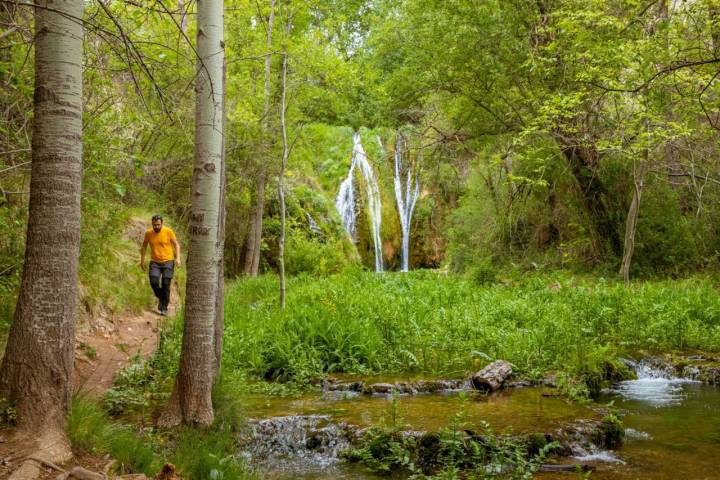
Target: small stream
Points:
(672, 426)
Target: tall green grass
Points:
(90, 431)
(363, 322)
(197, 454)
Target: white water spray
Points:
(345, 202)
(406, 197)
(656, 385)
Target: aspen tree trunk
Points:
(37, 368)
(191, 401)
(220, 294)
(281, 178)
(254, 241)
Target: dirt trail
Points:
(99, 355)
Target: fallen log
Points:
(492, 377)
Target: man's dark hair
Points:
(157, 217)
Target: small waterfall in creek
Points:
(406, 194)
(345, 201)
(294, 444)
(656, 384)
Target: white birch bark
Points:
(193, 387)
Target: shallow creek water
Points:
(510, 411)
(672, 431)
(673, 425)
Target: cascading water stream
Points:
(406, 198)
(655, 385)
(345, 202)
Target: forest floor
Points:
(101, 349)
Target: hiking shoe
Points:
(163, 312)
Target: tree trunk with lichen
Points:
(191, 399)
(584, 165)
(37, 368)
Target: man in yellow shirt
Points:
(165, 255)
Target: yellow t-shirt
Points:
(161, 244)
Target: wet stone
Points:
(294, 443)
(382, 388)
(405, 388)
(333, 386)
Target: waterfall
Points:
(294, 445)
(405, 198)
(345, 202)
(656, 384)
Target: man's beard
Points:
(157, 229)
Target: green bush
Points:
(305, 255)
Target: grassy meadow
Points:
(359, 322)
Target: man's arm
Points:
(176, 246)
(142, 253)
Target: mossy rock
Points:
(611, 432)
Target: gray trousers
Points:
(160, 279)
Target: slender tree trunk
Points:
(631, 223)
(7, 19)
(191, 400)
(37, 368)
(220, 294)
(254, 241)
(714, 14)
(281, 177)
(661, 14)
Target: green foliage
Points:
(208, 454)
(611, 432)
(90, 430)
(360, 322)
(142, 387)
(483, 272)
(130, 388)
(8, 413)
(461, 450)
(307, 256)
